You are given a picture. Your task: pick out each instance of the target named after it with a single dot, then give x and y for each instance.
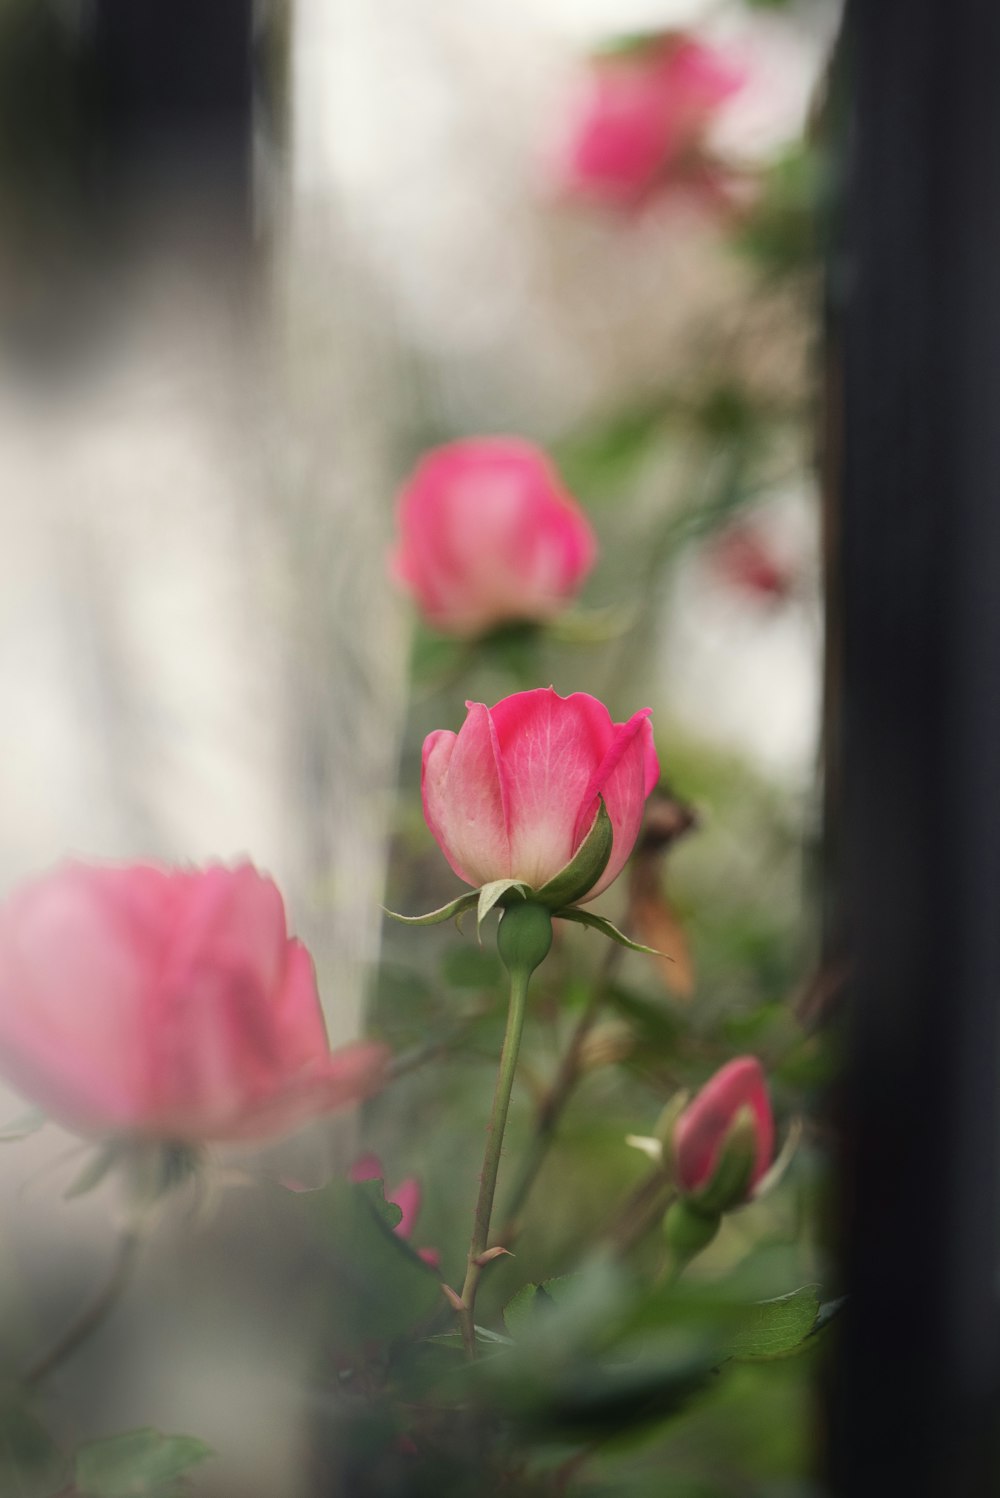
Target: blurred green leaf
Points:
(520, 1313)
(472, 967)
(30, 1464)
(138, 1464)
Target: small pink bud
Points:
(488, 535)
(731, 1116)
(515, 792)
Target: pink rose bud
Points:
(515, 792)
(726, 1131)
(643, 118)
(488, 535)
(169, 1004)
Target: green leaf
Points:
(585, 867)
(374, 1286)
(494, 893)
(483, 1335)
(775, 1328)
(435, 917)
(138, 1464)
(520, 1312)
(598, 923)
(25, 1124)
(30, 1464)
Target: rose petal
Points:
(465, 798)
(550, 748)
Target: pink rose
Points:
(515, 792)
(488, 535)
(167, 1003)
(644, 117)
(737, 1092)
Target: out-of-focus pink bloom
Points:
(488, 535)
(406, 1196)
(167, 1003)
(742, 557)
(514, 793)
(737, 1092)
(643, 120)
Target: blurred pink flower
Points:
(488, 535)
(514, 793)
(741, 556)
(167, 1003)
(406, 1196)
(643, 120)
(737, 1091)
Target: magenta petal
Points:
(625, 776)
(465, 798)
(551, 747)
(406, 1196)
(701, 1130)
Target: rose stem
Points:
(551, 1107)
(93, 1315)
(523, 940)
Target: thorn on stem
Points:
(453, 1298)
(490, 1254)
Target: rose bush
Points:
(643, 118)
(736, 1096)
(515, 792)
(488, 535)
(168, 1003)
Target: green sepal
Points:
(598, 923)
(495, 893)
(524, 937)
(584, 868)
(729, 1186)
(687, 1230)
(435, 917)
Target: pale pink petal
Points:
(71, 1034)
(702, 1128)
(465, 798)
(300, 1027)
(347, 1077)
(551, 747)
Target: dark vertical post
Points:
(916, 300)
(174, 97)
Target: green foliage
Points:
(378, 1287)
(30, 1464)
(138, 1464)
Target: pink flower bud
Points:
(643, 117)
(515, 792)
(168, 1003)
(488, 535)
(737, 1093)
